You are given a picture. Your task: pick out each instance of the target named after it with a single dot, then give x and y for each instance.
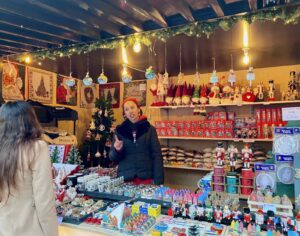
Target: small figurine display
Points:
(218, 214)
(259, 217)
(227, 214)
(208, 213)
(232, 156)
(227, 95)
(214, 95)
(220, 154)
(199, 212)
(270, 221)
(293, 86)
(246, 155)
(247, 215)
(298, 222)
(271, 95)
(260, 95)
(184, 211)
(237, 97)
(248, 96)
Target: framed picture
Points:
(13, 81)
(64, 94)
(88, 95)
(111, 90)
(40, 85)
(136, 89)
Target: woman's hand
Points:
(118, 144)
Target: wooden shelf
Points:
(187, 167)
(226, 105)
(220, 139)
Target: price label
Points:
(290, 113)
(269, 207)
(143, 87)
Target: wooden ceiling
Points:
(30, 25)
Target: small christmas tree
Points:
(99, 136)
(54, 155)
(74, 157)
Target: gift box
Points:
(187, 132)
(220, 133)
(230, 116)
(158, 124)
(222, 115)
(163, 132)
(187, 124)
(228, 133)
(221, 124)
(154, 210)
(200, 133)
(201, 124)
(212, 124)
(180, 132)
(180, 124)
(228, 124)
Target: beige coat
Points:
(30, 210)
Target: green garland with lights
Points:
(289, 15)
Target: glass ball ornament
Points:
(102, 79)
(70, 81)
(250, 75)
(126, 76)
(214, 77)
(150, 74)
(87, 80)
(231, 77)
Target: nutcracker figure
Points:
(218, 215)
(271, 90)
(232, 156)
(247, 215)
(293, 86)
(270, 221)
(246, 155)
(208, 213)
(236, 213)
(227, 214)
(199, 212)
(220, 154)
(285, 222)
(298, 222)
(184, 211)
(259, 217)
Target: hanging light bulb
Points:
(126, 76)
(27, 59)
(102, 79)
(214, 77)
(137, 47)
(246, 59)
(87, 80)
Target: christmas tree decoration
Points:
(92, 125)
(126, 76)
(55, 155)
(150, 74)
(250, 76)
(102, 79)
(74, 157)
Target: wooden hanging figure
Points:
(246, 156)
(232, 156)
(271, 92)
(260, 95)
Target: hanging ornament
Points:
(180, 75)
(166, 74)
(88, 157)
(92, 125)
(108, 143)
(197, 74)
(100, 113)
(102, 79)
(98, 154)
(98, 137)
(87, 80)
(105, 153)
(106, 113)
(101, 127)
(126, 76)
(231, 76)
(250, 76)
(70, 82)
(214, 77)
(88, 135)
(150, 74)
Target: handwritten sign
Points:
(290, 113)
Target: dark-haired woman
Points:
(27, 206)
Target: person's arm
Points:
(114, 154)
(158, 168)
(43, 192)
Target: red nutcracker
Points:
(247, 215)
(220, 154)
(246, 155)
(270, 221)
(218, 215)
(298, 222)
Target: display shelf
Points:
(226, 105)
(223, 139)
(187, 167)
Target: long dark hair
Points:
(19, 127)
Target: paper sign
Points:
(269, 207)
(290, 113)
(143, 87)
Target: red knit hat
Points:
(130, 99)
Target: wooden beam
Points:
(231, 1)
(22, 41)
(252, 5)
(9, 51)
(4, 43)
(18, 49)
(21, 8)
(99, 8)
(11, 30)
(36, 27)
(137, 9)
(72, 11)
(183, 8)
(216, 7)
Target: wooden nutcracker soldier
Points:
(270, 221)
(246, 155)
(220, 154)
(232, 156)
(218, 215)
(271, 90)
(247, 215)
(227, 214)
(298, 222)
(259, 217)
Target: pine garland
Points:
(288, 14)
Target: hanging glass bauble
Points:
(92, 125)
(150, 74)
(70, 81)
(214, 77)
(250, 75)
(101, 127)
(180, 78)
(106, 113)
(87, 80)
(98, 154)
(126, 78)
(231, 77)
(100, 113)
(102, 79)
(166, 78)
(197, 78)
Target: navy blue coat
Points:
(142, 157)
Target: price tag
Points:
(143, 87)
(59, 219)
(290, 113)
(269, 207)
